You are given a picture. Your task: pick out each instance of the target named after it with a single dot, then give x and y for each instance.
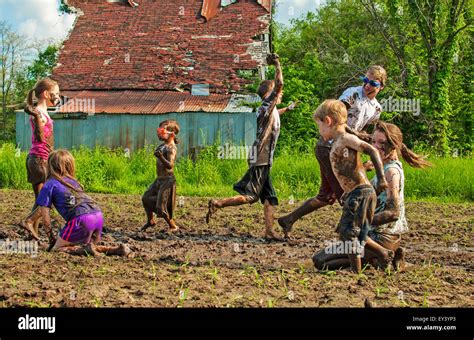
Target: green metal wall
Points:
(136, 131)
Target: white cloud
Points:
(39, 20)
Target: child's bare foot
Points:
(270, 235)
(172, 227)
(212, 208)
(398, 259)
(147, 225)
(89, 250)
(29, 227)
(124, 250)
(386, 260)
(286, 225)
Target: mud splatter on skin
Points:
(199, 267)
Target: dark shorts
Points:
(357, 213)
(80, 229)
(160, 197)
(256, 184)
(36, 169)
(329, 183)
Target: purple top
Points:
(69, 204)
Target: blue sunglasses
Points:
(373, 83)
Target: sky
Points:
(41, 22)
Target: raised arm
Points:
(391, 212)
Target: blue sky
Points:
(40, 21)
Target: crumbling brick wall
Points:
(163, 45)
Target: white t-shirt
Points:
(364, 110)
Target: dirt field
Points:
(228, 264)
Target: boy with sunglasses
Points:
(363, 109)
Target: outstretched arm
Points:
(391, 212)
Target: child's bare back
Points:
(346, 162)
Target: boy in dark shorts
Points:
(160, 197)
(363, 109)
(256, 183)
(359, 198)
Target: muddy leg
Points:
(213, 205)
(120, 250)
(29, 224)
(286, 222)
(324, 260)
(268, 211)
(384, 255)
(172, 225)
(150, 220)
(356, 263)
(398, 258)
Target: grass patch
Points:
(294, 175)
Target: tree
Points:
(437, 26)
(12, 47)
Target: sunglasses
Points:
(373, 83)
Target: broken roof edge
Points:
(154, 102)
(210, 8)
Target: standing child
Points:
(83, 216)
(257, 183)
(359, 196)
(363, 110)
(160, 197)
(42, 139)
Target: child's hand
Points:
(272, 58)
(381, 186)
(369, 166)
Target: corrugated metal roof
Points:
(152, 102)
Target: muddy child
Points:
(389, 222)
(363, 111)
(359, 198)
(256, 183)
(160, 197)
(84, 220)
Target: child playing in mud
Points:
(359, 196)
(83, 216)
(257, 183)
(363, 110)
(389, 221)
(160, 197)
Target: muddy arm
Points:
(355, 143)
(392, 209)
(169, 164)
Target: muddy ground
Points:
(228, 264)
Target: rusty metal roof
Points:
(152, 102)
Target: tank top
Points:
(39, 148)
(399, 226)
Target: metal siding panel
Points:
(63, 132)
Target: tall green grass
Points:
(294, 174)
